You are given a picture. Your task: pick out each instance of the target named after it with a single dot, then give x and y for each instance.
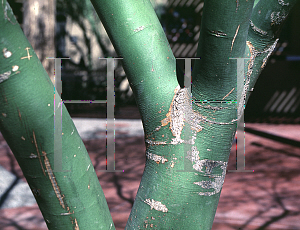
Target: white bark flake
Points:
(256, 29)
(277, 18)
(139, 29)
(281, 2)
(6, 53)
(207, 168)
(5, 76)
(157, 205)
(156, 158)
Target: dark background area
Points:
(276, 95)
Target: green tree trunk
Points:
(185, 170)
(68, 199)
(187, 146)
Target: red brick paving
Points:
(269, 198)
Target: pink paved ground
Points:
(269, 198)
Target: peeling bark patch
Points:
(254, 54)
(32, 156)
(206, 168)
(5, 76)
(76, 225)
(269, 51)
(193, 154)
(53, 180)
(6, 53)
(218, 33)
(156, 158)
(181, 111)
(149, 142)
(15, 68)
(276, 18)
(281, 2)
(216, 185)
(139, 29)
(157, 205)
(215, 181)
(8, 74)
(38, 152)
(172, 164)
(256, 29)
(236, 32)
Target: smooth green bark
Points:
(68, 200)
(178, 137)
(167, 197)
(137, 36)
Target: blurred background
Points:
(266, 199)
(80, 36)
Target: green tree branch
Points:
(68, 200)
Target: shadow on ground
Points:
(267, 198)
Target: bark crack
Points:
(38, 152)
(53, 180)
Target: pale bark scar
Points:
(38, 152)
(254, 53)
(228, 94)
(28, 54)
(236, 32)
(139, 29)
(53, 180)
(218, 34)
(76, 225)
(20, 116)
